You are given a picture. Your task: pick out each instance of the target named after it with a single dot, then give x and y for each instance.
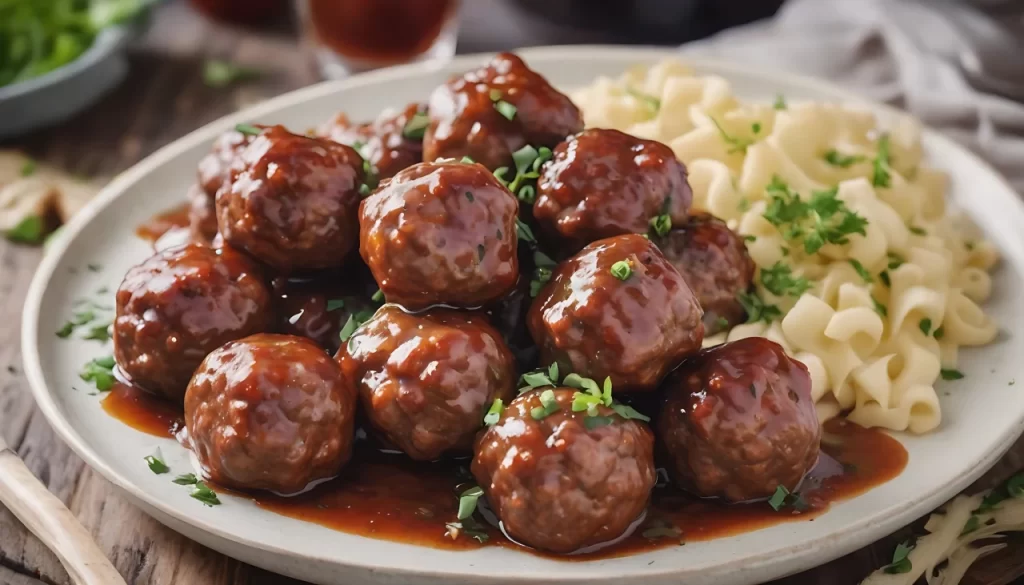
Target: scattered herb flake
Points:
(661, 224)
(779, 280)
(156, 464)
(628, 412)
(939, 333)
(469, 196)
(900, 559)
(845, 161)
(494, 412)
(596, 421)
(505, 109)
(778, 499)
(204, 494)
(972, 524)
(378, 297)
(66, 329)
(218, 73)
(335, 304)
(186, 479)
(879, 307)
(549, 405)
(950, 374)
(28, 168)
(100, 372)
(248, 129)
(880, 176)
(861, 271)
(735, 143)
(757, 309)
(468, 501)
(29, 230)
(1015, 486)
(925, 326)
(524, 233)
(416, 127)
(917, 231)
(652, 103)
(621, 270)
(780, 102)
(884, 277)
(99, 333)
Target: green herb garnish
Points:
(880, 176)
(779, 280)
(30, 230)
(972, 524)
(900, 559)
(661, 225)
(416, 127)
(186, 479)
(218, 73)
(378, 297)
(156, 464)
(652, 103)
(99, 333)
(543, 266)
(527, 161)
(621, 270)
(838, 159)
(939, 333)
(916, 230)
(494, 412)
(468, 501)
(28, 168)
(925, 326)
(879, 307)
(549, 405)
(100, 372)
(780, 102)
(248, 129)
(353, 323)
(524, 233)
(335, 304)
(861, 271)
(736, 144)
(757, 309)
(505, 109)
(950, 374)
(824, 219)
(204, 494)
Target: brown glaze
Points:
(389, 497)
(181, 304)
(143, 411)
(738, 421)
(602, 183)
(464, 121)
(202, 214)
(155, 227)
(441, 233)
(383, 142)
(269, 412)
(216, 170)
(294, 204)
(634, 331)
(559, 486)
(714, 261)
(318, 308)
(426, 380)
(379, 32)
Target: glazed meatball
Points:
(318, 308)
(294, 204)
(426, 380)
(441, 233)
(714, 261)
(618, 309)
(270, 412)
(392, 142)
(602, 183)
(560, 483)
(489, 113)
(180, 305)
(215, 171)
(738, 421)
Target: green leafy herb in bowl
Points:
(39, 36)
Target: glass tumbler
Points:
(349, 36)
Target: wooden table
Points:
(163, 99)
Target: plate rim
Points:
(793, 558)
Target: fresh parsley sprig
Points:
(824, 219)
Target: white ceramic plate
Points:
(983, 414)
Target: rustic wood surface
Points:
(163, 99)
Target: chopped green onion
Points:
(621, 270)
(156, 464)
(950, 374)
(248, 129)
(505, 109)
(494, 412)
(218, 73)
(416, 127)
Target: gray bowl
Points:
(62, 93)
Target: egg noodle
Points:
(862, 275)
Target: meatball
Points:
(215, 171)
(294, 204)
(426, 380)
(202, 215)
(738, 421)
(270, 412)
(617, 309)
(561, 482)
(318, 308)
(392, 142)
(602, 183)
(489, 113)
(441, 233)
(180, 305)
(714, 261)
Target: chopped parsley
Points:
(880, 176)
(925, 326)
(756, 127)
(30, 230)
(468, 501)
(543, 265)
(757, 309)
(939, 333)
(494, 412)
(218, 73)
(652, 103)
(416, 127)
(783, 498)
(622, 270)
(99, 333)
(722, 322)
(186, 479)
(335, 304)
(156, 464)
(100, 372)
(879, 307)
(524, 233)
(467, 160)
(505, 109)
(900, 559)
(354, 322)
(838, 159)
(824, 219)
(735, 143)
(527, 161)
(28, 168)
(916, 230)
(779, 280)
(378, 297)
(248, 129)
(895, 261)
(884, 277)
(861, 271)
(549, 405)
(204, 494)
(950, 374)
(780, 102)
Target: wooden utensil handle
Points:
(55, 525)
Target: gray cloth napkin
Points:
(957, 66)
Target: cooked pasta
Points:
(863, 274)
